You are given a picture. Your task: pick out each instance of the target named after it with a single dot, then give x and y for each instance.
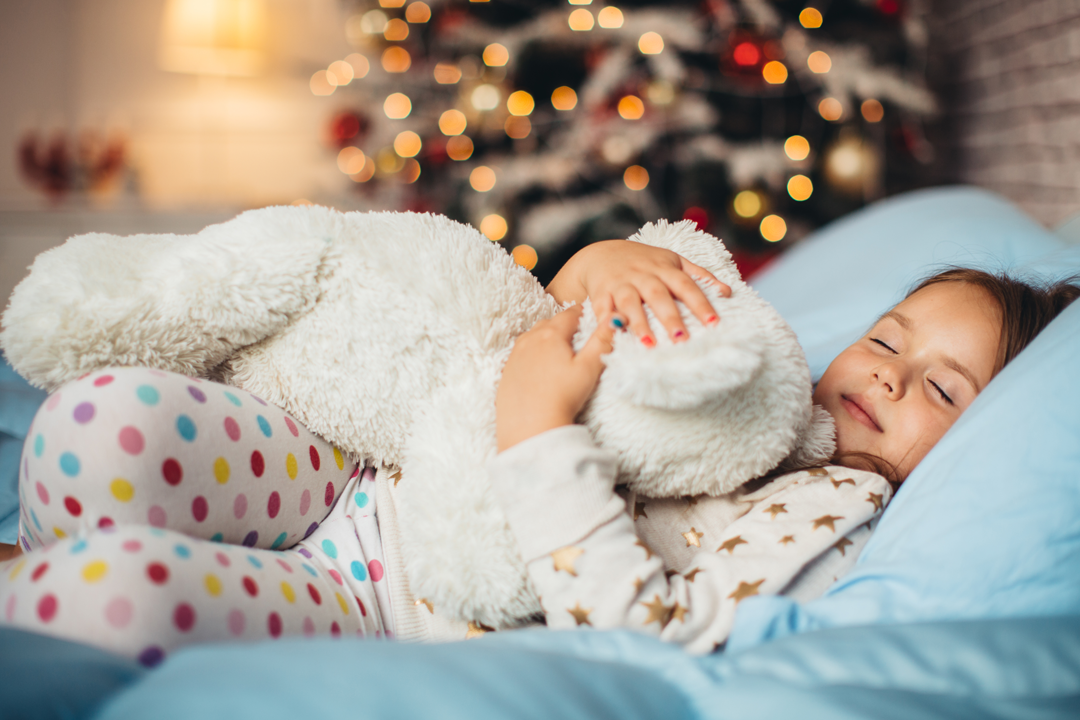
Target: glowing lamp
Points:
(214, 37)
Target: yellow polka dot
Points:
(290, 466)
(342, 603)
(94, 571)
(59, 533)
(221, 470)
(339, 460)
(213, 585)
(287, 591)
(122, 490)
(17, 569)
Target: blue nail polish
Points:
(617, 323)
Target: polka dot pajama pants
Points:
(158, 510)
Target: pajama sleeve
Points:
(590, 568)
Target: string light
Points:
(397, 106)
(517, 128)
(351, 160)
(774, 72)
(810, 18)
(391, 3)
(631, 107)
(410, 171)
(389, 162)
(636, 177)
(396, 30)
(340, 73)
(819, 62)
(452, 122)
(651, 43)
(797, 147)
(360, 65)
(482, 178)
(496, 55)
(407, 144)
(485, 97)
(746, 54)
(564, 98)
(773, 228)
(747, 204)
(520, 103)
(494, 227)
(320, 84)
(418, 12)
(447, 74)
(610, 17)
(800, 187)
(459, 147)
(830, 109)
(581, 20)
(580, 2)
(524, 256)
(396, 59)
(872, 111)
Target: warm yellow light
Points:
(214, 37)
(580, 20)
(396, 59)
(407, 144)
(819, 62)
(447, 74)
(636, 177)
(773, 228)
(810, 18)
(482, 178)
(563, 98)
(494, 226)
(351, 160)
(580, 2)
(485, 97)
(452, 122)
(496, 55)
(800, 188)
(340, 73)
(660, 92)
(520, 103)
(459, 148)
(366, 172)
(373, 22)
(418, 12)
(321, 85)
(524, 256)
(518, 127)
(391, 3)
(651, 43)
(410, 171)
(830, 109)
(774, 72)
(397, 106)
(610, 17)
(389, 162)
(747, 204)
(797, 147)
(396, 30)
(616, 150)
(360, 65)
(872, 110)
(631, 107)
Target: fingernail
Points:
(617, 323)
(679, 335)
(647, 341)
(712, 320)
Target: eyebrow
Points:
(949, 362)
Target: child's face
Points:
(896, 391)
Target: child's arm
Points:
(622, 276)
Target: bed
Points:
(965, 603)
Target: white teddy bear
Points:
(385, 333)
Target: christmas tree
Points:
(550, 124)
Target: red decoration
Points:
(61, 164)
(746, 54)
(699, 215)
(888, 7)
(348, 127)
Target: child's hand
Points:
(544, 384)
(623, 276)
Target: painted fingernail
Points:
(647, 341)
(678, 335)
(617, 323)
(712, 320)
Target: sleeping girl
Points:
(156, 510)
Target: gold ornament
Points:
(564, 558)
(693, 537)
(581, 615)
(775, 509)
(745, 590)
(827, 521)
(731, 544)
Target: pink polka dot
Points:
(284, 565)
(184, 617)
(328, 496)
(9, 609)
(309, 627)
(273, 624)
(223, 559)
(39, 571)
(273, 505)
(314, 455)
(73, 506)
(158, 373)
(239, 506)
(375, 569)
(337, 577)
(47, 607)
(200, 508)
(305, 502)
(119, 611)
(131, 440)
(156, 516)
(292, 426)
(132, 545)
(42, 493)
(236, 622)
(105, 523)
(52, 402)
(232, 429)
(172, 472)
(103, 380)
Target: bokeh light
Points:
(580, 2)
(518, 127)
(774, 72)
(485, 97)
(447, 74)
(418, 12)
(482, 178)
(410, 171)
(564, 98)
(453, 122)
(389, 162)
(617, 150)
(631, 107)
(351, 160)
(747, 204)
(396, 59)
(396, 30)
(520, 103)
(660, 92)
(340, 73)
(391, 3)
(830, 109)
(360, 65)
(581, 20)
(636, 177)
(496, 55)
(524, 256)
(459, 147)
(494, 227)
(797, 147)
(872, 111)
(407, 144)
(320, 84)
(799, 187)
(819, 62)
(366, 173)
(810, 18)
(773, 228)
(610, 17)
(746, 54)
(651, 43)
(373, 22)
(397, 106)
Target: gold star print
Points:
(731, 544)
(745, 590)
(775, 509)
(692, 499)
(427, 603)
(638, 584)
(817, 472)
(837, 483)
(396, 477)
(827, 521)
(581, 615)
(639, 510)
(692, 574)
(787, 539)
(693, 537)
(842, 544)
(658, 612)
(648, 550)
(875, 499)
(678, 612)
(477, 629)
(565, 557)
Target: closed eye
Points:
(944, 397)
(883, 344)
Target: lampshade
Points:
(214, 37)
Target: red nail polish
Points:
(647, 341)
(712, 320)
(679, 335)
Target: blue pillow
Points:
(18, 404)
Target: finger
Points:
(565, 323)
(697, 271)
(628, 302)
(658, 297)
(600, 343)
(603, 305)
(683, 287)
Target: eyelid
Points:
(883, 344)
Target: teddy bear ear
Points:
(816, 443)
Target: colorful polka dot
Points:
(305, 553)
(250, 539)
(305, 502)
(196, 393)
(311, 528)
(239, 506)
(255, 562)
(258, 464)
(273, 624)
(284, 565)
(290, 466)
(339, 460)
(37, 524)
(94, 571)
(151, 656)
(184, 617)
(52, 402)
(119, 612)
(78, 547)
(103, 380)
(39, 445)
(264, 426)
(342, 604)
(314, 593)
(158, 573)
(172, 472)
(309, 570)
(73, 506)
(182, 551)
(217, 537)
(258, 399)
(60, 534)
(221, 470)
(213, 585)
(375, 568)
(236, 622)
(39, 572)
(47, 607)
(200, 508)
(147, 394)
(358, 571)
(329, 548)
(328, 495)
(186, 427)
(361, 499)
(84, 413)
(156, 516)
(250, 586)
(335, 629)
(232, 429)
(313, 454)
(223, 559)
(122, 490)
(9, 609)
(131, 440)
(232, 398)
(288, 593)
(363, 610)
(277, 543)
(273, 505)
(69, 464)
(337, 577)
(42, 493)
(309, 627)
(132, 546)
(105, 524)
(17, 569)
(292, 426)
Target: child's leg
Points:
(133, 445)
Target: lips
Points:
(857, 407)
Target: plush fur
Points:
(385, 333)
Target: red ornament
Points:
(699, 215)
(348, 128)
(888, 7)
(746, 54)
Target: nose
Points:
(891, 378)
